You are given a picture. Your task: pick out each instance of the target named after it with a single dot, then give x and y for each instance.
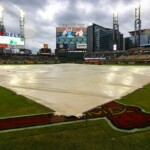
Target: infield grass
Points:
(12, 104)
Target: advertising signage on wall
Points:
(13, 35)
(11, 40)
(69, 37)
(16, 46)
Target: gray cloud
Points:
(42, 16)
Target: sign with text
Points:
(14, 35)
(11, 40)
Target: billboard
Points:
(68, 37)
(11, 40)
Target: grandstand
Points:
(26, 58)
(101, 57)
(136, 56)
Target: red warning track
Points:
(121, 116)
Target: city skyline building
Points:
(101, 39)
(144, 38)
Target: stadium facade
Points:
(101, 39)
(144, 37)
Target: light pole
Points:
(22, 22)
(137, 34)
(115, 30)
(2, 19)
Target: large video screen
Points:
(11, 40)
(70, 37)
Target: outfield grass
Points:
(140, 97)
(90, 135)
(12, 104)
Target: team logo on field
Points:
(121, 116)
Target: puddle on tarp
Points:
(71, 89)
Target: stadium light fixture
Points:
(1, 8)
(137, 5)
(1, 11)
(22, 14)
(115, 13)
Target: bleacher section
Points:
(140, 55)
(136, 57)
(103, 57)
(131, 56)
(27, 59)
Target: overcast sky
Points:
(42, 16)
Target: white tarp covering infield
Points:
(71, 89)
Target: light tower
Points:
(22, 22)
(115, 30)
(2, 29)
(137, 34)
